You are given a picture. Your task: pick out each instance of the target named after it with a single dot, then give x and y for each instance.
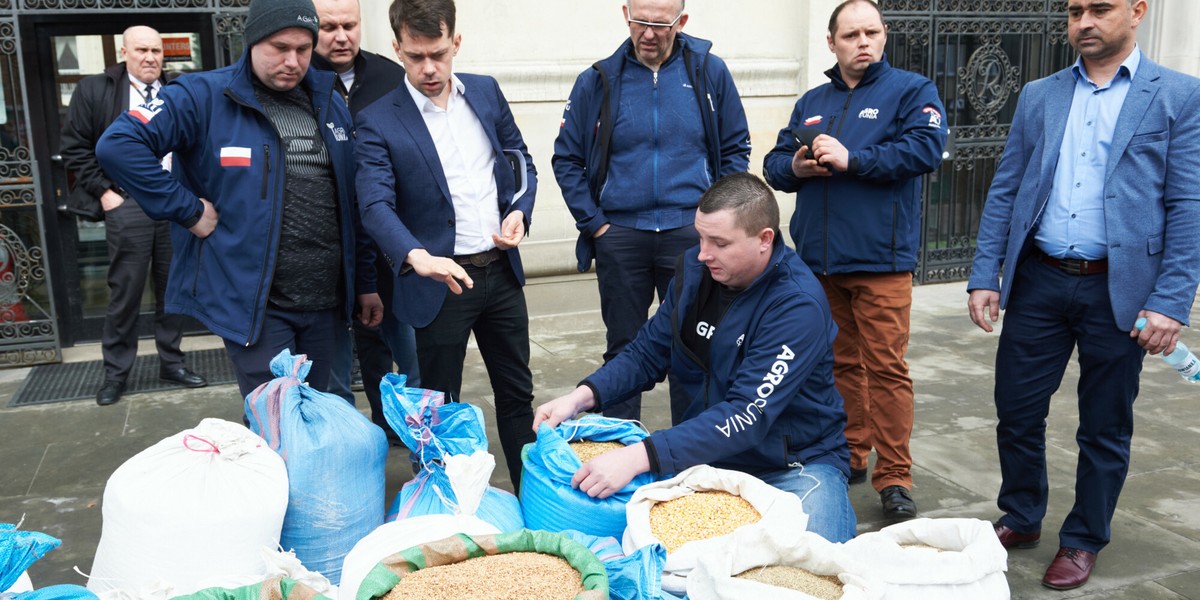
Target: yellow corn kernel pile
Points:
(511, 576)
(588, 450)
(699, 516)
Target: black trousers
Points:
(137, 247)
(312, 333)
(495, 311)
(631, 266)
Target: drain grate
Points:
(77, 381)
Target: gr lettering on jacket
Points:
(773, 377)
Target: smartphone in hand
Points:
(805, 136)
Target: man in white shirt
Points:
(440, 199)
(137, 244)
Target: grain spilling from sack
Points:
(825, 587)
(511, 576)
(699, 516)
(923, 546)
(588, 450)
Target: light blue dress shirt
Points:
(1073, 223)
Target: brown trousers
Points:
(872, 314)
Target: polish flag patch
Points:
(145, 112)
(809, 122)
(235, 156)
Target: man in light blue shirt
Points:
(1092, 224)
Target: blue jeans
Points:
(825, 494)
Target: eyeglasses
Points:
(656, 27)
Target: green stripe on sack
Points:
(388, 573)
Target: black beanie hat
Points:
(269, 16)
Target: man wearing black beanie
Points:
(267, 236)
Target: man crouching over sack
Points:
(748, 332)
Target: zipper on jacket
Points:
(196, 276)
(825, 238)
(657, 195)
(255, 317)
(266, 170)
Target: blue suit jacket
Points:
(1151, 192)
(405, 200)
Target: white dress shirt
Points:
(468, 162)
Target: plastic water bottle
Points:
(1182, 359)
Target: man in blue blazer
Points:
(1092, 222)
(441, 201)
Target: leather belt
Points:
(479, 259)
(1076, 266)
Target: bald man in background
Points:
(137, 245)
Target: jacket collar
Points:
(683, 43)
(241, 84)
(874, 71)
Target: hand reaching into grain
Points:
(608, 473)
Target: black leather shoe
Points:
(184, 377)
(858, 475)
(110, 392)
(897, 503)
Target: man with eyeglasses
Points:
(644, 134)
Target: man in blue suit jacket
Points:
(440, 200)
(1092, 222)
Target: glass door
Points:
(69, 52)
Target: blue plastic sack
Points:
(634, 577)
(418, 498)
(19, 549)
(335, 464)
(58, 592)
(449, 443)
(547, 499)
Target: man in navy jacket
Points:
(440, 199)
(265, 238)
(854, 153)
(644, 133)
(747, 331)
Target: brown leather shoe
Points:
(1011, 539)
(1069, 569)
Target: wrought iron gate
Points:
(980, 53)
(29, 321)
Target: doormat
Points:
(79, 380)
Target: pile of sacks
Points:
(204, 514)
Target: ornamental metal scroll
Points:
(988, 79)
(979, 54)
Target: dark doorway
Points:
(60, 50)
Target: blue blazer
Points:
(405, 200)
(1151, 192)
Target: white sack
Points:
(190, 512)
(713, 578)
(973, 567)
(781, 511)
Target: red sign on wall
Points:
(177, 49)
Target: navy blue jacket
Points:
(582, 149)
(766, 398)
(869, 217)
(227, 151)
(403, 194)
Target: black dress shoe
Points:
(184, 377)
(110, 392)
(858, 475)
(897, 503)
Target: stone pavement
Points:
(55, 459)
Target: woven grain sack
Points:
(335, 463)
(216, 491)
(715, 576)
(549, 502)
(780, 511)
(458, 548)
(964, 560)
